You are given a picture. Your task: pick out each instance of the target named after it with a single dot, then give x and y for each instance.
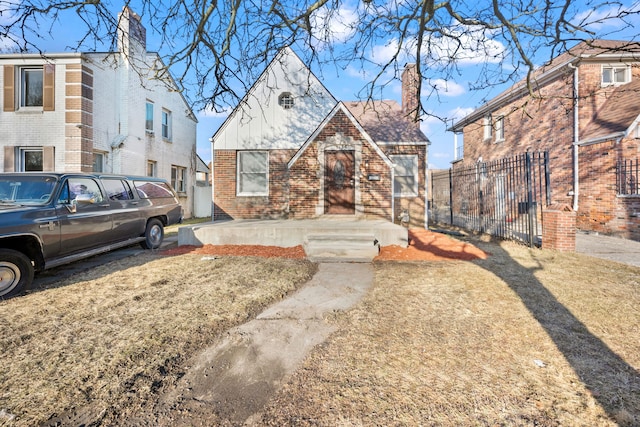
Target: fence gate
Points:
(503, 198)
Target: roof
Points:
(611, 50)
(385, 122)
(618, 113)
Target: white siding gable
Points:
(259, 122)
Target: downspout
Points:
(426, 186)
(576, 137)
(393, 196)
(213, 181)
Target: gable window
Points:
(285, 100)
(487, 124)
(148, 123)
(499, 125)
(405, 181)
(253, 173)
(615, 74)
(166, 124)
(178, 178)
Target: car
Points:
(50, 219)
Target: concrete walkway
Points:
(612, 248)
(234, 379)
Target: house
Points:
(100, 112)
(290, 150)
(583, 109)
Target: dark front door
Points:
(339, 181)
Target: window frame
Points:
(487, 123)
(286, 100)
(154, 168)
(499, 128)
(166, 125)
(148, 121)
(99, 155)
(179, 178)
(414, 159)
(613, 67)
(240, 174)
(22, 160)
(22, 92)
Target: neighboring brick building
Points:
(290, 150)
(583, 108)
(100, 112)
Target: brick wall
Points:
(559, 230)
(229, 206)
(546, 123)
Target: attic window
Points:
(285, 100)
(615, 74)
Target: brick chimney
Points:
(410, 95)
(132, 36)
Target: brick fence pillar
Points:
(559, 228)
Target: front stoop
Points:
(333, 247)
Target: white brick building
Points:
(101, 112)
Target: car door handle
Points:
(134, 203)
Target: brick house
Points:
(97, 112)
(291, 150)
(583, 108)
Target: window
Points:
(405, 181)
(31, 87)
(117, 189)
(178, 176)
(148, 124)
(613, 75)
(285, 100)
(75, 187)
(31, 160)
(98, 162)
(152, 168)
(166, 124)
(499, 129)
(152, 190)
(488, 127)
(253, 173)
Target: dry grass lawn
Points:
(525, 337)
(115, 336)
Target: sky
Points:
(454, 100)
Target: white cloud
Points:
(208, 112)
(460, 113)
(445, 88)
(334, 26)
(607, 17)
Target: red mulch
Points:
(425, 246)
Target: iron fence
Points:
(627, 173)
(503, 198)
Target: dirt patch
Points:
(425, 245)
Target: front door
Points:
(339, 187)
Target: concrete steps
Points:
(341, 247)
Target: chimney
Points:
(132, 36)
(410, 95)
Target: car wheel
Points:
(153, 235)
(16, 272)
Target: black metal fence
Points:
(503, 198)
(627, 174)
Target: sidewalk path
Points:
(234, 379)
(611, 248)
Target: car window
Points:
(117, 189)
(31, 190)
(77, 186)
(152, 190)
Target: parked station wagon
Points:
(49, 219)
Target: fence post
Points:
(531, 208)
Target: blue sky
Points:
(454, 98)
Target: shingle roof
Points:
(385, 121)
(617, 114)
